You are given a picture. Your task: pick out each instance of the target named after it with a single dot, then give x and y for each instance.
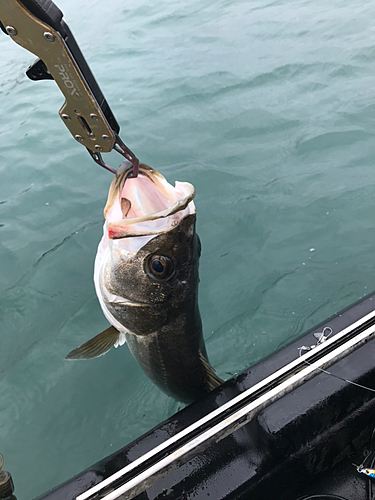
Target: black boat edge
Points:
(300, 443)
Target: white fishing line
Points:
(269, 390)
(322, 337)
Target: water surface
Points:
(268, 108)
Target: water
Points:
(268, 108)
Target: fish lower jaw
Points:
(114, 322)
(111, 298)
(117, 300)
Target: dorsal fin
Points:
(212, 379)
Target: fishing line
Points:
(322, 337)
(343, 379)
(369, 482)
(372, 463)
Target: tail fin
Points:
(212, 379)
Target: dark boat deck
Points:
(302, 444)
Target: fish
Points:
(146, 279)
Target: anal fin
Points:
(97, 346)
(212, 379)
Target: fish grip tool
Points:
(38, 26)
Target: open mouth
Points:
(146, 205)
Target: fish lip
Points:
(110, 299)
(124, 228)
(129, 303)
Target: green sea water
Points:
(268, 108)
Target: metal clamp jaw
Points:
(38, 26)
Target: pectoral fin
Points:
(212, 379)
(97, 346)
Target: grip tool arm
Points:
(38, 26)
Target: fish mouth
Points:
(125, 302)
(146, 205)
(112, 299)
(108, 300)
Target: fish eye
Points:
(159, 267)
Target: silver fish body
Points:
(146, 279)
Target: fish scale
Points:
(148, 285)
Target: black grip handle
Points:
(45, 10)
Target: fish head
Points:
(146, 268)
